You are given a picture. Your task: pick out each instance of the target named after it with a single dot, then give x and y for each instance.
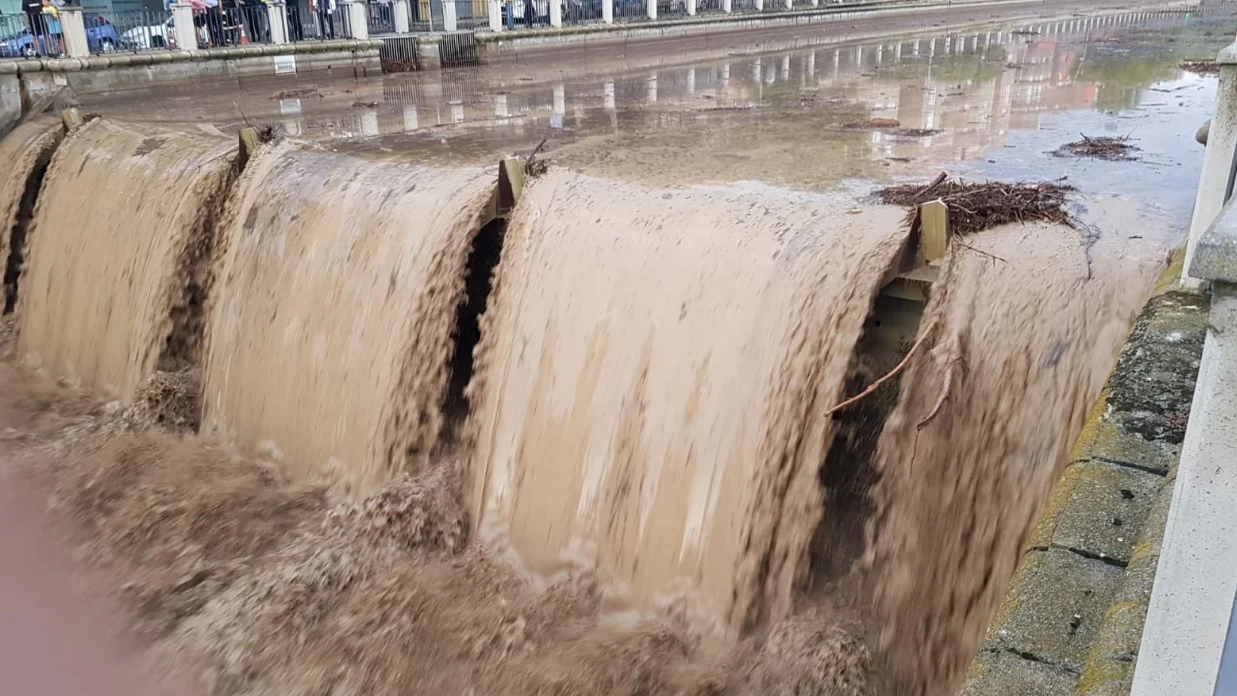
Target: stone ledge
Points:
(1000, 672)
(1073, 614)
(1053, 611)
(1096, 510)
(59, 65)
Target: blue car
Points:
(101, 37)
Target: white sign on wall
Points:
(285, 65)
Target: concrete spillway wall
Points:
(644, 394)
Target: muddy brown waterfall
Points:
(655, 370)
(114, 251)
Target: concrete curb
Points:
(1072, 619)
(60, 65)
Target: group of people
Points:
(43, 19)
(221, 22)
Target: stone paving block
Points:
(1153, 384)
(1054, 607)
(1103, 510)
(1107, 439)
(1001, 673)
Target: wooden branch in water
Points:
(940, 401)
(994, 257)
(877, 384)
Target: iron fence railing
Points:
(132, 30)
(381, 18)
(237, 25)
(17, 40)
(630, 10)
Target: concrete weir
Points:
(783, 420)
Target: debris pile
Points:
(1201, 66)
(1101, 147)
(974, 207)
(872, 124)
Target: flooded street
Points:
(989, 103)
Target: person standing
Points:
(38, 25)
(326, 18)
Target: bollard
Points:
(726, 6)
(184, 32)
(73, 27)
(399, 10)
(691, 8)
(607, 11)
(556, 13)
(651, 8)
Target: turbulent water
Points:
(25, 152)
(1019, 339)
(330, 327)
(121, 221)
(646, 428)
(654, 376)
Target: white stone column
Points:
(691, 8)
(790, 4)
(495, 10)
(277, 18)
(726, 7)
(607, 11)
(358, 21)
(760, 5)
(449, 22)
(399, 11)
(556, 13)
(815, 3)
(650, 7)
(182, 26)
(73, 27)
(1218, 158)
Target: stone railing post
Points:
(182, 26)
(726, 7)
(1215, 182)
(760, 5)
(358, 19)
(399, 12)
(495, 10)
(449, 21)
(607, 11)
(650, 7)
(73, 25)
(691, 8)
(277, 18)
(556, 13)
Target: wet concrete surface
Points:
(990, 101)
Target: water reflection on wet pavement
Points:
(987, 103)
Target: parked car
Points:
(19, 45)
(154, 36)
(101, 35)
